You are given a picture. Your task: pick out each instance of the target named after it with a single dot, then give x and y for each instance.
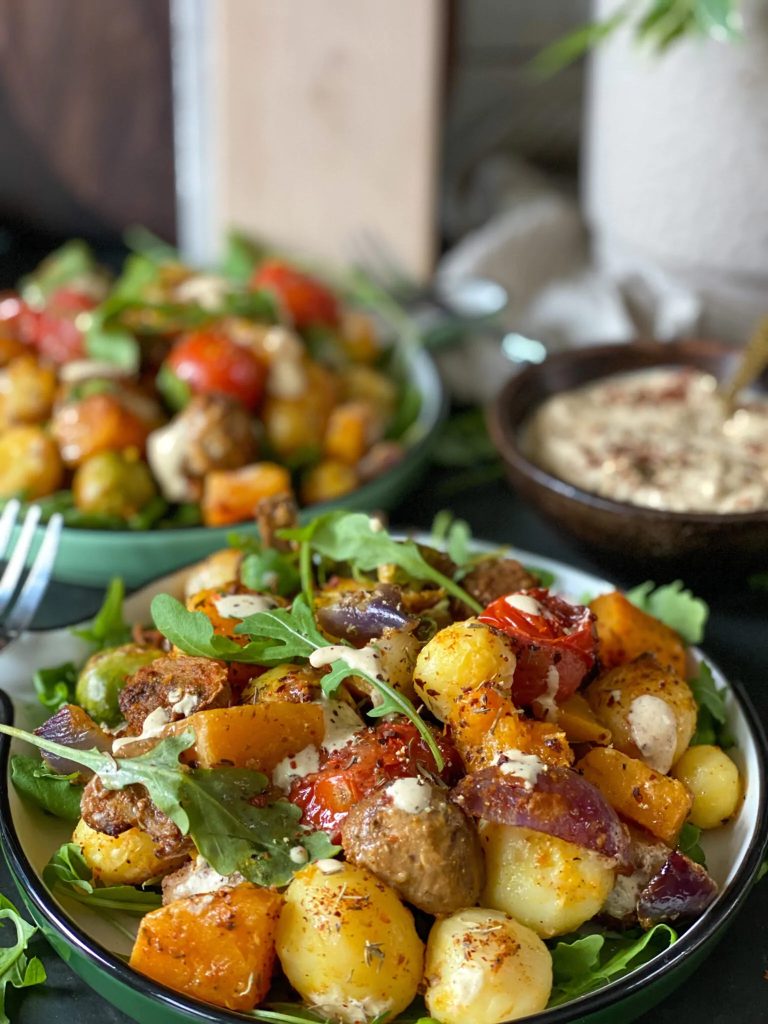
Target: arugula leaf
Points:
(176, 392)
(16, 968)
(68, 872)
(351, 537)
(688, 843)
(293, 631)
(55, 686)
(211, 805)
(71, 262)
(241, 254)
(112, 345)
(455, 536)
(192, 632)
(288, 1013)
(547, 578)
(109, 628)
(591, 961)
(270, 571)
(464, 443)
(712, 721)
(673, 605)
(55, 793)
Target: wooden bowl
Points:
(629, 531)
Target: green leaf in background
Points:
(547, 579)
(576, 44)
(720, 19)
(175, 391)
(109, 628)
(673, 605)
(270, 571)
(66, 265)
(464, 441)
(55, 686)
(591, 961)
(712, 721)
(57, 794)
(151, 247)
(112, 345)
(16, 969)
(241, 256)
(454, 536)
(67, 872)
(688, 842)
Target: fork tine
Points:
(38, 579)
(17, 561)
(7, 521)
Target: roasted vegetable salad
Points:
(171, 397)
(348, 771)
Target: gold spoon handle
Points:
(753, 361)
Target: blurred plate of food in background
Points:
(157, 409)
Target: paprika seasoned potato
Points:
(27, 391)
(713, 779)
(98, 423)
(231, 495)
(329, 479)
(550, 885)
(30, 464)
(650, 711)
(218, 947)
(461, 657)
(484, 966)
(347, 944)
(128, 859)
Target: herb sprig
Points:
(68, 872)
(16, 969)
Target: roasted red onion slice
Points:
(681, 891)
(559, 802)
(72, 727)
(360, 616)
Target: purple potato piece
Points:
(681, 891)
(360, 616)
(72, 727)
(560, 802)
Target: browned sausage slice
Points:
(181, 685)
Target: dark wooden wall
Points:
(86, 129)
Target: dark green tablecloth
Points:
(732, 987)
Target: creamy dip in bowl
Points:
(660, 438)
(669, 499)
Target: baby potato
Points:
(27, 390)
(127, 859)
(483, 967)
(548, 884)
(329, 479)
(30, 464)
(347, 944)
(461, 657)
(650, 711)
(713, 779)
(214, 572)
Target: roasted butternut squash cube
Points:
(577, 720)
(624, 632)
(352, 429)
(256, 736)
(643, 796)
(218, 947)
(231, 496)
(485, 725)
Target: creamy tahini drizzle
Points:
(658, 438)
(366, 659)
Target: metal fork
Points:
(18, 609)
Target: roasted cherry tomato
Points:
(210, 362)
(394, 750)
(555, 643)
(308, 302)
(53, 330)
